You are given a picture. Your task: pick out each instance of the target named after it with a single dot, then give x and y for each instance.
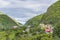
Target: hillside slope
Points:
(52, 16)
(6, 22)
(34, 21)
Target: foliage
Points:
(6, 22)
(57, 30)
(34, 21)
(52, 16)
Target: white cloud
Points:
(30, 15)
(21, 20)
(3, 3)
(34, 5)
(29, 4)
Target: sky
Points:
(23, 10)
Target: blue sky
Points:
(23, 10)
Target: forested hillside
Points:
(6, 22)
(51, 17)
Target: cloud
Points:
(24, 19)
(34, 5)
(21, 20)
(3, 3)
(23, 10)
(29, 4)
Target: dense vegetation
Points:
(6, 22)
(52, 16)
(8, 27)
(34, 29)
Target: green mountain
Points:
(6, 22)
(34, 21)
(52, 17)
